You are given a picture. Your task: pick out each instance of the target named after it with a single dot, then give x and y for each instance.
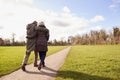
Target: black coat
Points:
(42, 39)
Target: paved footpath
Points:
(53, 64)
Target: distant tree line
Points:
(92, 38)
(7, 42)
(97, 37)
(11, 42)
(58, 43)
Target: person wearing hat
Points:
(31, 43)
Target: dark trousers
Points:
(42, 55)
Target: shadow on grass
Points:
(80, 76)
(74, 75)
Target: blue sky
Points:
(86, 8)
(62, 17)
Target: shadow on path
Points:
(49, 72)
(50, 69)
(80, 76)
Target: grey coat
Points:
(42, 38)
(31, 42)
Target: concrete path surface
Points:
(53, 63)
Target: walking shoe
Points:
(35, 65)
(23, 68)
(39, 66)
(44, 65)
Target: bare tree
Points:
(1, 42)
(13, 38)
(116, 33)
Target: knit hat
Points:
(34, 22)
(41, 23)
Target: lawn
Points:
(12, 57)
(100, 62)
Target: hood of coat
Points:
(43, 26)
(31, 24)
(42, 29)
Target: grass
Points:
(12, 57)
(100, 62)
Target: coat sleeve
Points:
(47, 35)
(31, 36)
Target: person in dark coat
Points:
(41, 43)
(31, 43)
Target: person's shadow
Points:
(52, 73)
(74, 75)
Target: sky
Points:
(63, 18)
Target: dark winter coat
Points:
(31, 39)
(42, 38)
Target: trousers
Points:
(26, 57)
(42, 55)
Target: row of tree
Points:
(92, 38)
(8, 42)
(97, 37)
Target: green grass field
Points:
(12, 57)
(100, 62)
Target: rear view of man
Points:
(31, 43)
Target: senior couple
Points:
(37, 37)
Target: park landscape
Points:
(84, 39)
(11, 57)
(84, 62)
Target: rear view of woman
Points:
(41, 43)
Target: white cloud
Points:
(66, 9)
(1, 27)
(99, 27)
(97, 19)
(115, 4)
(16, 14)
(13, 17)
